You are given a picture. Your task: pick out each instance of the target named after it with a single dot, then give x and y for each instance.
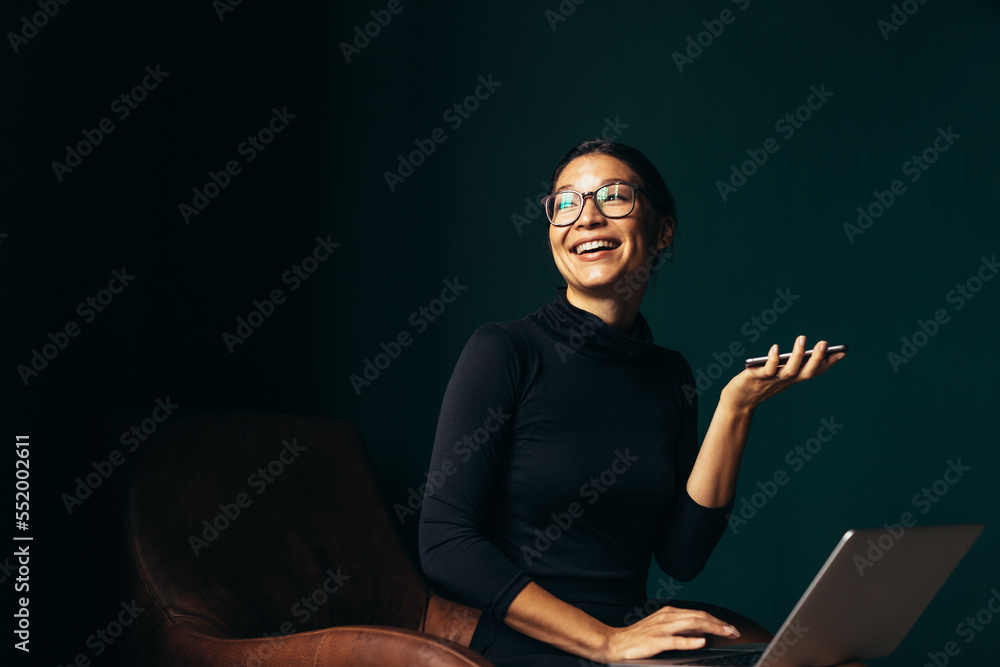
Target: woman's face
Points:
(596, 274)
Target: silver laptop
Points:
(860, 605)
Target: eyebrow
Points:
(570, 186)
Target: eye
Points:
(615, 193)
(564, 201)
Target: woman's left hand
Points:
(751, 387)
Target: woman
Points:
(568, 441)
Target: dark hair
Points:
(652, 182)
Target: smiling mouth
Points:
(595, 246)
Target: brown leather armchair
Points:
(261, 539)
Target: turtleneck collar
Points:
(587, 333)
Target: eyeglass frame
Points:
(583, 195)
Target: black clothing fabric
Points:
(561, 456)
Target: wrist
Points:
(600, 644)
(732, 405)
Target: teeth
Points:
(591, 245)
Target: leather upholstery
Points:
(298, 544)
(299, 564)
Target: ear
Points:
(666, 236)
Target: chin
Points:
(604, 278)
(596, 287)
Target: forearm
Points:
(712, 482)
(539, 614)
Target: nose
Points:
(590, 216)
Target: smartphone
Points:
(782, 358)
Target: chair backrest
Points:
(244, 524)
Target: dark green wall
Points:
(607, 65)
(783, 229)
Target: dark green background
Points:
(452, 218)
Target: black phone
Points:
(782, 358)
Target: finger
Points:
(770, 366)
(817, 362)
(684, 643)
(691, 628)
(831, 359)
(696, 623)
(834, 358)
(791, 367)
(685, 612)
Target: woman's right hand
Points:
(666, 629)
(539, 614)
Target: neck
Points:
(617, 312)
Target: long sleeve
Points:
(469, 447)
(688, 532)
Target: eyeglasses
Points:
(614, 200)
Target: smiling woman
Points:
(550, 525)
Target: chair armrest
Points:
(450, 620)
(175, 645)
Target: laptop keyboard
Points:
(736, 660)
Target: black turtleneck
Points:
(562, 452)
